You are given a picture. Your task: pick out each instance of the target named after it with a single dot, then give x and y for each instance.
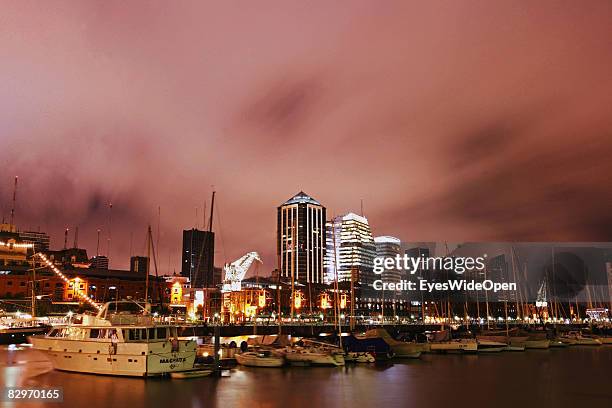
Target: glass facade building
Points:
(301, 239)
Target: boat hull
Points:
(248, 361)
(311, 359)
(537, 344)
(491, 346)
(126, 359)
(454, 347)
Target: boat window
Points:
(151, 334)
(143, 334)
(94, 333)
(103, 334)
(53, 333)
(161, 333)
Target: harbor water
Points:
(570, 377)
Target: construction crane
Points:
(234, 272)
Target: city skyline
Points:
(485, 122)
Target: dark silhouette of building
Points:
(139, 264)
(198, 258)
(99, 262)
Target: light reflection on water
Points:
(569, 377)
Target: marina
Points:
(547, 378)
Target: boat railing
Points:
(138, 320)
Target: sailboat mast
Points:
(148, 265)
(33, 286)
(337, 295)
(12, 220)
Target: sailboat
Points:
(400, 349)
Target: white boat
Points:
(309, 356)
(360, 357)
(120, 343)
(455, 346)
(537, 344)
(259, 359)
(400, 349)
(512, 347)
(581, 340)
(488, 346)
(336, 352)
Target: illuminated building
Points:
(75, 288)
(40, 240)
(198, 258)
(99, 262)
(388, 247)
(13, 251)
(301, 239)
(350, 243)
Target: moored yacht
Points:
(117, 343)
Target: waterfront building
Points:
(301, 239)
(13, 250)
(351, 245)
(70, 258)
(198, 258)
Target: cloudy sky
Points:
(472, 120)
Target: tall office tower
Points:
(350, 242)
(300, 239)
(139, 264)
(99, 262)
(39, 239)
(198, 258)
(388, 247)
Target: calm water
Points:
(572, 377)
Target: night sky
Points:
(472, 120)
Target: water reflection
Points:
(570, 377)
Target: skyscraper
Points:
(198, 258)
(388, 247)
(350, 242)
(301, 239)
(40, 240)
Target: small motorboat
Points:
(263, 358)
(488, 346)
(558, 343)
(455, 346)
(579, 339)
(540, 344)
(308, 356)
(357, 357)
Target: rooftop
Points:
(301, 198)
